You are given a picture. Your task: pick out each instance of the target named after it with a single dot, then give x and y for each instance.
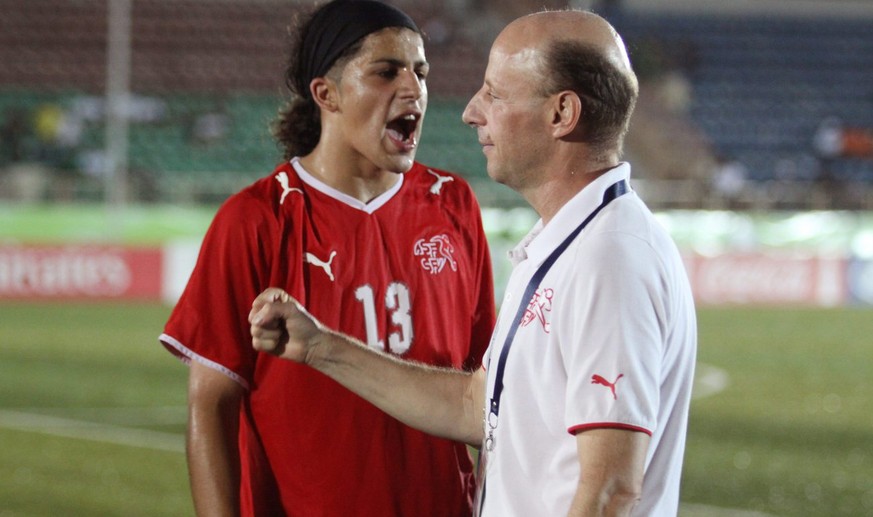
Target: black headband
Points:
(339, 24)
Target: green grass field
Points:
(97, 364)
(92, 413)
(792, 433)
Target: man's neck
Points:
(551, 195)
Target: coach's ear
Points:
(564, 113)
(324, 92)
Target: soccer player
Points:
(372, 243)
(582, 405)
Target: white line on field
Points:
(709, 380)
(113, 426)
(700, 510)
(92, 431)
(122, 416)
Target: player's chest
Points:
(415, 248)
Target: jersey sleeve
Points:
(613, 346)
(209, 323)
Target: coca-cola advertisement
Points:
(794, 278)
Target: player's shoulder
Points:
(268, 190)
(433, 172)
(440, 184)
(262, 197)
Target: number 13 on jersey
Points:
(398, 307)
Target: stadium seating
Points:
(760, 86)
(175, 156)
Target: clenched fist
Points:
(282, 327)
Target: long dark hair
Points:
(297, 128)
(338, 29)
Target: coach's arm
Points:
(613, 463)
(439, 401)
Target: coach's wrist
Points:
(317, 347)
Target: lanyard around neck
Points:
(615, 190)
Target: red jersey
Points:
(408, 273)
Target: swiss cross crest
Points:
(435, 253)
(538, 308)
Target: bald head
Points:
(539, 30)
(581, 52)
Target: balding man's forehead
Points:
(582, 26)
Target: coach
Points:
(582, 404)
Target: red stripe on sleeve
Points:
(608, 425)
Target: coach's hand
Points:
(282, 327)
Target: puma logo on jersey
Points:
(438, 184)
(326, 266)
(597, 379)
(538, 308)
(282, 178)
(436, 252)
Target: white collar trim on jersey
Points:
(342, 197)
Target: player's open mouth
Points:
(402, 130)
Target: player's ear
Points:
(565, 112)
(324, 93)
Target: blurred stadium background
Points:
(124, 123)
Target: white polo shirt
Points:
(608, 341)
